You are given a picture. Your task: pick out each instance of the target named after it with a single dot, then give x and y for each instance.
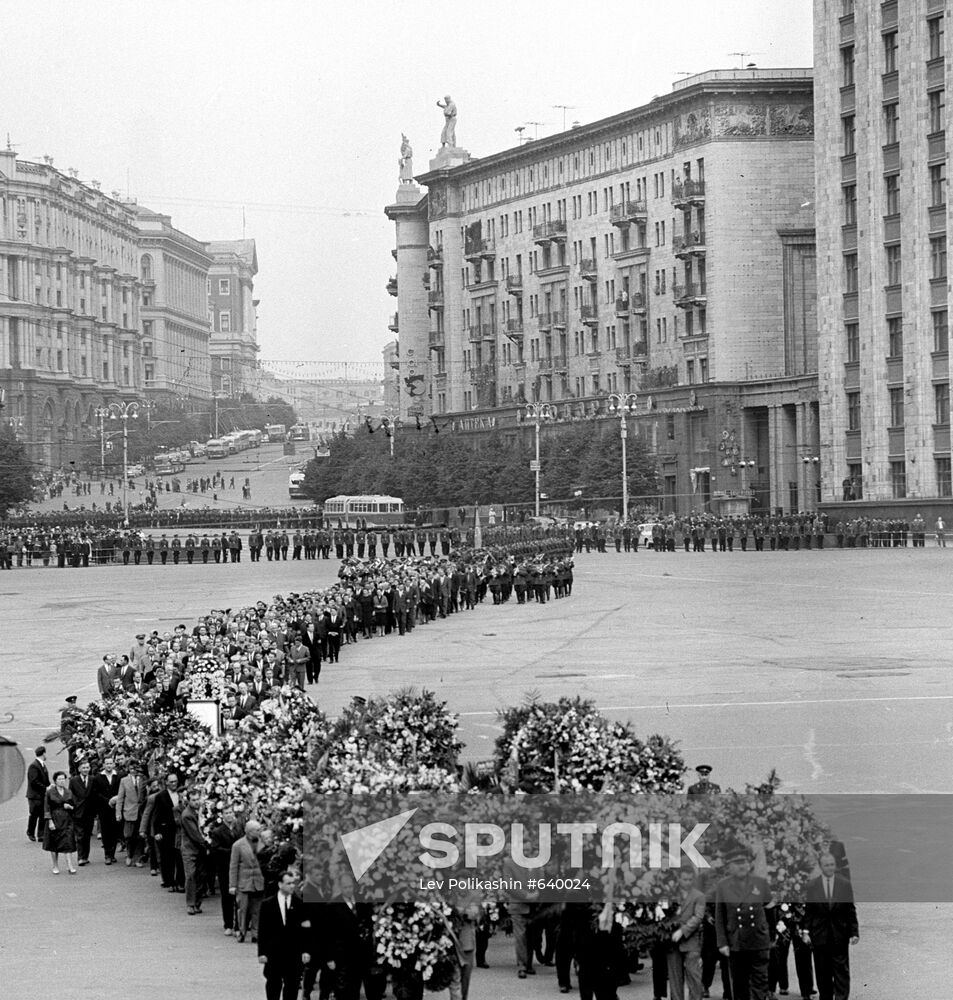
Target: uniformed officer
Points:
(743, 926)
(704, 786)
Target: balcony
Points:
(553, 231)
(595, 359)
(514, 330)
(545, 321)
(545, 365)
(637, 303)
(488, 331)
(635, 354)
(480, 250)
(475, 334)
(559, 319)
(435, 298)
(588, 270)
(687, 193)
(437, 340)
(560, 364)
(692, 245)
(689, 295)
(627, 212)
(514, 284)
(392, 285)
(435, 256)
(393, 325)
(589, 314)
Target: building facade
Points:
(232, 317)
(883, 73)
(69, 307)
(174, 275)
(667, 252)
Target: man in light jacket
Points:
(685, 956)
(245, 879)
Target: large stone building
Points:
(667, 251)
(174, 274)
(69, 307)
(231, 308)
(883, 71)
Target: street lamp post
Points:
(538, 412)
(101, 413)
(123, 411)
(623, 403)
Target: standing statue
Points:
(406, 161)
(448, 137)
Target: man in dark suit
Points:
(830, 927)
(311, 636)
(281, 946)
(105, 794)
(37, 782)
(245, 703)
(167, 812)
(84, 809)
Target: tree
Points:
(16, 472)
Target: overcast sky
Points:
(294, 110)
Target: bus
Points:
(371, 508)
(169, 463)
(275, 432)
(296, 486)
(216, 448)
(301, 432)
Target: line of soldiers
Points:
(349, 542)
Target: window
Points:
(938, 185)
(146, 265)
(853, 411)
(944, 480)
(847, 66)
(891, 123)
(850, 205)
(935, 37)
(670, 427)
(938, 256)
(896, 406)
(225, 321)
(937, 107)
(890, 52)
(690, 372)
(224, 286)
(895, 337)
(850, 273)
(893, 264)
(853, 342)
(941, 399)
(892, 195)
(898, 479)
(703, 369)
(149, 374)
(941, 336)
(849, 127)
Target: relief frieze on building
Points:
(436, 203)
(691, 127)
(740, 119)
(792, 119)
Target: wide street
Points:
(830, 666)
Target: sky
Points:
(286, 116)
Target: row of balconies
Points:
(688, 193)
(690, 294)
(558, 364)
(692, 245)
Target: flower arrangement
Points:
(415, 938)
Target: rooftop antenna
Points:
(565, 108)
(10, 146)
(741, 57)
(536, 128)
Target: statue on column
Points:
(406, 161)
(448, 137)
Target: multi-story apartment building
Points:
(231, 309)
(883, 73)
(667, 251)
(174, 273)
(69, 306)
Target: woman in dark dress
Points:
(59, 837)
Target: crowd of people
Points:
(781, 533)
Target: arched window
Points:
(146, 267)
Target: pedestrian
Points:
(37, 782)
(281, 945)
(59, 837)
(830, 928)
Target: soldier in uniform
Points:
(150, 549)
(164, 549)
(744, 926)
(176, 547)
(704, 786)
(205, 546)
(190, 542)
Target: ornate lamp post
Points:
(538, 412)
(101, 413)
(123, 411)
(623, 403)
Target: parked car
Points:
(135, 470)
